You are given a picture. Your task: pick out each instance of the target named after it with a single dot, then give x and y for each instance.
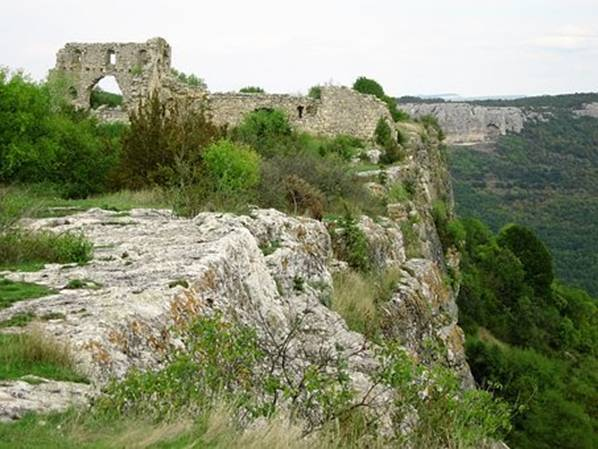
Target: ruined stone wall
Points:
(230, 108)
(137, 67)
(345, 111)
(141, 68)
(339, 110)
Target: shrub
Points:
(451, 232)
(347, 147)
(315, 92)
(266, 130)
(384, 137)
(164, 144)
(431, 122)
(398, 193)
(369, 86)
(352, 245)
(329, 175)
(302, 196)
(232, 167)
(252, 90)
(191, 79)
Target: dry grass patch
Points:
(357, 297)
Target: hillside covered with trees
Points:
(546, 178)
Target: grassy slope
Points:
(545, 178)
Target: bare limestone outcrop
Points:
(152, 270)
(469, 124)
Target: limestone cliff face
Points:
(154, 270)
(466, 123)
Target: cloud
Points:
(572, 38)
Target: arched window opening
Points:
(106, 93)
(300, 111)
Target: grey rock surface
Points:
(468, 124)
(35, 394)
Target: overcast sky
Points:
(469, 47)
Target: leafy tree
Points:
(532, 340)
(42, 139)
(163, 142)
(532, 253)
(100, 97)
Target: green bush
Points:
(329, 175)
(232, 167)
(369, 86)
(353, 246)
(398, 193)
(191, 79)
(347, 147)
(252, 90)
(450, 231)
(431, 122)
(315, 92)
(266, 130)
(43, 140)
(385, 138)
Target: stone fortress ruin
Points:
(142, 68)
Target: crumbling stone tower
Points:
(137, 67)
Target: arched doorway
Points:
(106, 93)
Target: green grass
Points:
(357, 297)
(18, 320)
(71, 431)
(11, 292)
(25, 249)
(36, 354)
(41, 201)
(27, 267)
